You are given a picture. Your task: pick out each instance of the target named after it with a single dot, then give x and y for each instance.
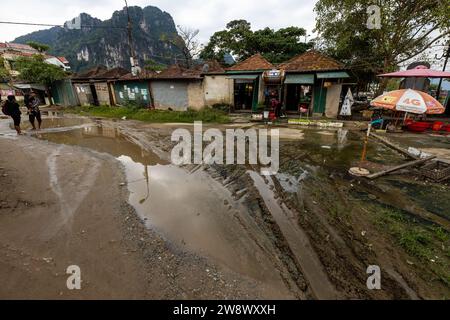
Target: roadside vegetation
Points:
(207, 115)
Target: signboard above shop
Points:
(273, 76)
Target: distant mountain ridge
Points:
(103, 45)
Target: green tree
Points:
(36, 70)
(152, 65)
(4, 74)
(239, 39)
(42, 48)
(407, 29)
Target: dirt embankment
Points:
(63, 205)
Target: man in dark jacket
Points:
(13, 110)
(33, 110)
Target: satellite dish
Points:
(205, 68)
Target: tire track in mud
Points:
(268, 231)
(268, 237)
(70, 192)
(297, 240)
(295, 254)
(159, 143)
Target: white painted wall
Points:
(217, 89)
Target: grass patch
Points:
(428, 243)
(157, 116)
(415, 238)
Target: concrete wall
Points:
(332, 103)
(196, 99)
(218, 89)
(102, 93)
(170, 94)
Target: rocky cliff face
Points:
(106, 42)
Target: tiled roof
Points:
(90, 73)
(17, 47)
(255, 62)
(212, 66)
(145, 74)
(18, 53)
(63, 60)
(177, 72)
(101, 73)
(311, 61)
(114, 73)
(20, 46)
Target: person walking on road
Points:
(11, 108)
(33, 110)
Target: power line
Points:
(58, 25)
(63, 26)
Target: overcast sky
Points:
(207, 15)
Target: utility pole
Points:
(438, 91)
(133, 60)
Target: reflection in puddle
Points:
(188, 208)
(195, 211)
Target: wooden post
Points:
(393, 146)
(366, 141)
(396, 168)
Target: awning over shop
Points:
(299, 79)
(30, 86)
(243, 76)
(5, 86)
(333, 75)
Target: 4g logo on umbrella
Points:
(414, 102)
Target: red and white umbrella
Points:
(408, 100)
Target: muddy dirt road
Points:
(63, 205)
(103, 195)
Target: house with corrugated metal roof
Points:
(313, 83)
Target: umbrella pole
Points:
(396, 119)
(404, 119)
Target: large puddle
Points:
(190, 209)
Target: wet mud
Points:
(311, 229)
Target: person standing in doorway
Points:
(33, 110)
(11, 108)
